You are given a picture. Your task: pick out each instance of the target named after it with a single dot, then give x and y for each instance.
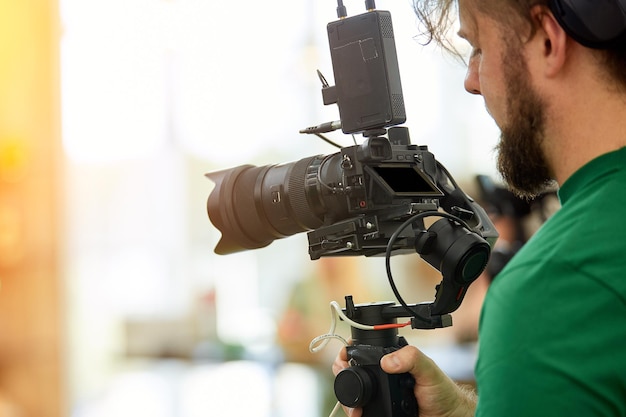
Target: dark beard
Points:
(521, 160)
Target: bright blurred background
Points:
(112, 302)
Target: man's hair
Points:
(437, 18)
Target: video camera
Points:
(368, 199)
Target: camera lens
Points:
(252, 206)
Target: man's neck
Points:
(586, 120)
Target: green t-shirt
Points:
(552, 338)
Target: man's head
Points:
(437, 18)
(499, 32)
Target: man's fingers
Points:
(409, 359)
(341, 361)
(402, 360)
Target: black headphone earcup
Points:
(593, 23)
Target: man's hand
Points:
(437, 395)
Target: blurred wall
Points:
(31, 308)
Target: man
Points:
(553, 324)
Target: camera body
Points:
(380, 182)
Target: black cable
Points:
(322, 78)
(392, 240)
(325, 139)
(449, 177)
(333, 190)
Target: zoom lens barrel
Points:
(252, 206)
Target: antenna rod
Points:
(342, 12)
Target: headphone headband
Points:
(593, 23)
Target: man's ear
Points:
(553, 40)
